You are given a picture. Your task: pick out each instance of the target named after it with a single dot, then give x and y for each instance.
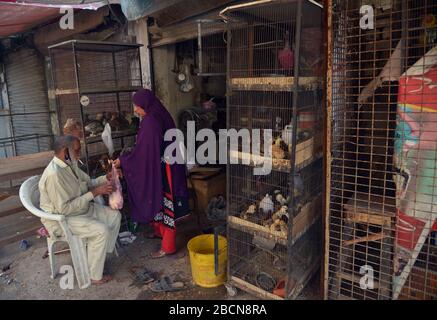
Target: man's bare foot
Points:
(105, 279)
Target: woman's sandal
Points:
(158, 254)
(165, 284)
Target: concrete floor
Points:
(31, 273)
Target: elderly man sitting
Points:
(67, 190)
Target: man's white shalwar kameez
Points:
(64, 190)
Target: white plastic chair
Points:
(29, 196)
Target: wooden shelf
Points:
(306, 152)
(59, 92)
(248, 287)
(274, 83)
(301, 223)
(115, 135)
(373, 210)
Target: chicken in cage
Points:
(93, 84)
(275, 86)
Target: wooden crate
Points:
(207, 184)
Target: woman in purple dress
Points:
(157, 190)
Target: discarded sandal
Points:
(142, 277)
(165, 284)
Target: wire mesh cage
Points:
(382, 152)
(211, 46)
(93, 84)
(274, 86)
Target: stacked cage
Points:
(93, 84)
(381, 217)
(275, 61)
(211, 46)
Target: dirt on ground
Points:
(28, 276)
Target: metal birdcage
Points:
(93, 84)
(275, 61)
(381, 212)
(211, 46)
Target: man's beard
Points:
(73, 161)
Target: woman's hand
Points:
(116, 163)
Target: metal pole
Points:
(327, 145)
(80, 105)
(54, 83)
(141, 69)
(199, 44)
(228, 123)
(291, 210)
(152, 76)
(11, 123)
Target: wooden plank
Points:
(248, 287)
(185, 30)
(376, 205)
(60, 92)
(10, 206)
(355, 279)
(24, 166)
(304, 279)
(305, 152)
(373, 237)
(4, 196)
(273, 83)
(184, 10)
(305, 218)
(365, 218)
(256, 229)
(11, 211)
(8, 192)
(84, 20)
(18, 227)
(19, 236)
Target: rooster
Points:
(286, 55)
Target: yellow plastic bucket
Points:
(201, 249)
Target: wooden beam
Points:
(246, 286)
(185, 30)
(11, 211)
(24, 166)
(19, 236)
(354, 278)
(83, 21)
(373, 237)
(186, 9)
(365, 218)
